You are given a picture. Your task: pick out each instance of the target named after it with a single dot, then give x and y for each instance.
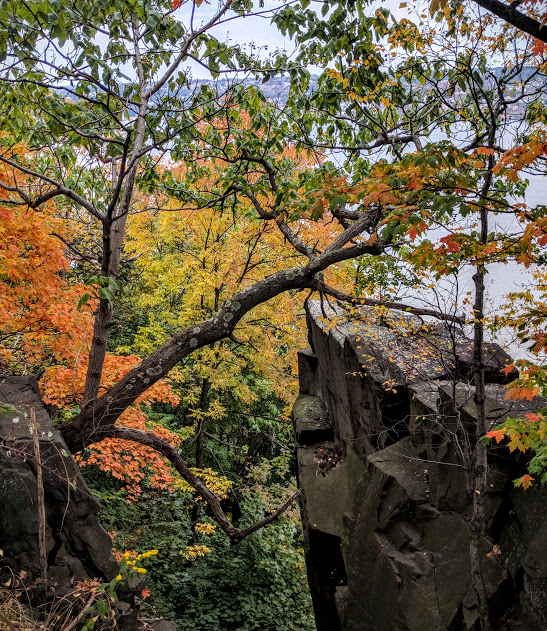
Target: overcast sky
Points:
(258, 30)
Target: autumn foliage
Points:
(43, 332)
(39, 322)
(215, 254)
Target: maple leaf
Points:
(534, 418)
(451, 244)
(145, 593)
(414, 184)
(539, 47)
(522, 392)
(498, 435)
(526, 481)
(373, 238)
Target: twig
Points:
(71, 626)
(371, 302)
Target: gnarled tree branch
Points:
(166, 449)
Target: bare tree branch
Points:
(397, 306)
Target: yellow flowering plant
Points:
(131, 567)
(193, 552)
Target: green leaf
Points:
(105, 293)
(101, 608)
(83, 301)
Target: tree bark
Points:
(203, 405)
(97, 352)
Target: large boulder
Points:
(384, 403)
(77, 546)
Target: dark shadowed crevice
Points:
(395, 409)
(326, 571)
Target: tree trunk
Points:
(113, 235)
(479, 461)
(97, 353)
(203, 405)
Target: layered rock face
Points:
(384, 421)
(77, 546)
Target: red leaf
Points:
(538, 47)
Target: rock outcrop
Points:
(386, 506)
(77, 546)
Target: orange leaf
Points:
(453, 246)
(414, 184)
(498, 434)
(373, 238)
(538, 47)
(523, 392)
(526, 481)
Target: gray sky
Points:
(258, 30)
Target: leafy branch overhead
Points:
(159, 225)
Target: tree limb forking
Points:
(351, 232)
(101, 413)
